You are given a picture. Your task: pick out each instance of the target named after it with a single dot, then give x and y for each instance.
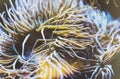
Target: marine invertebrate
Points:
(56, 39)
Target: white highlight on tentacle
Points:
(14, 64)
(98, 42)
(42, 32)
(23, 45)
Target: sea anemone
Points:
(57, 39)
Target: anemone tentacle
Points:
(49, 39)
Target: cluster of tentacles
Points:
(57, 39)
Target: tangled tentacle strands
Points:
(57, 39)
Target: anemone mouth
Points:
(59, 39)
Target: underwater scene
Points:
(59, 39)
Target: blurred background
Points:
(112, 9)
